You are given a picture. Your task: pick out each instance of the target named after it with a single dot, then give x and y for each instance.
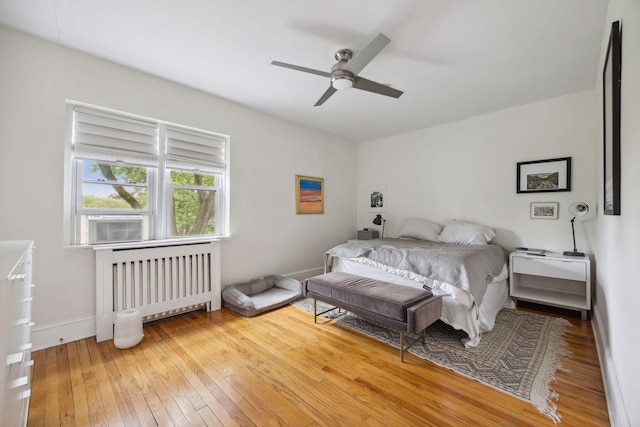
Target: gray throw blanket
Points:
(470, 267)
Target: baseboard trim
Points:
(615, 403)
(57, 333)
(305, 274)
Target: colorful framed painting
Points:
(544, 210)
(309, 195)
(543, 176)
(376, 195)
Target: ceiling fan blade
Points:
(325, 96)
(371, 86)
(362, 58)
(299, 68)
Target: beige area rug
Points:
(519, 356)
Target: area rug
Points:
(520, 356)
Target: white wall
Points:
(618, 237)
(266, 154)
(467, 171)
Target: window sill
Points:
(150, 243)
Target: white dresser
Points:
(15, 330)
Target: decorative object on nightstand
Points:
(576, 209)
(368, 234)
(378, 220)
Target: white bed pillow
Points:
(466, 233)
(416, 228)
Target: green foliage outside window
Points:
(192, 195)
(193, 209)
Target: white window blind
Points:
(187, 149)
(104, 136)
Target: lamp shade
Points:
(378, 220)
(578, 209)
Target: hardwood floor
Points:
(280, 368)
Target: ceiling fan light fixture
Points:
(342, 82)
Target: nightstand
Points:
(552, 279)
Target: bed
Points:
(456, 261)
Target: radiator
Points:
(159, 281)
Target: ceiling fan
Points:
(344, 74)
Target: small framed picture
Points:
(376, 198)
(543, 176)
(544, 210)
(309, 195)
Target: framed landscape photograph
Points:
(541, 176)
(544, 210)
(376, 195)
(611, 85)
(309, 195)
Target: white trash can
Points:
(128, 330)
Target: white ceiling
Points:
(453, 59)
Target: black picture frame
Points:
(544, 176)
(611, 85)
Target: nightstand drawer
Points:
(549, 268)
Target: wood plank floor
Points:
(280, 368)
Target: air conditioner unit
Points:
(115, 228)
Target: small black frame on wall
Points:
(611, 83)
(542, 176)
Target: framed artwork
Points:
(544, 210)
(376, 198)
(611, 83)
(542, 176)
(309, 195)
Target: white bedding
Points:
(458, 309)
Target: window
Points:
(192, 203)
(140, 179)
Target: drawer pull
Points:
(18, 382)
(14, 358)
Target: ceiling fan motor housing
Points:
(342, 79)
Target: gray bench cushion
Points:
(382, 298)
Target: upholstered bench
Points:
(260, 295)
(399, 307)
